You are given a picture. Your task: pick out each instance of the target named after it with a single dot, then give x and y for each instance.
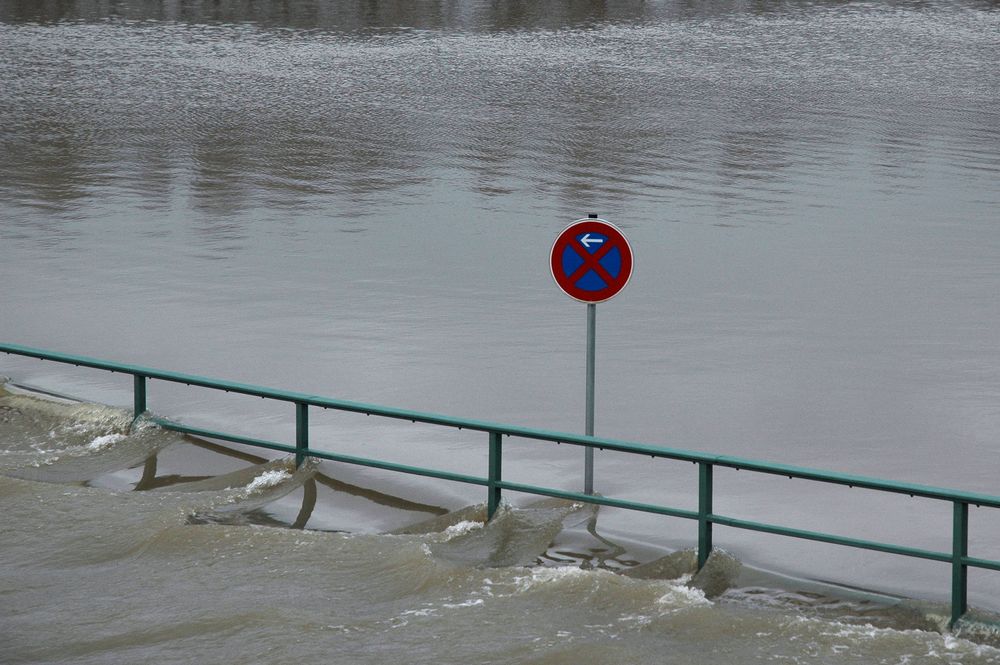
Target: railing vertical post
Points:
(495, 475)
(301, 432)
(959, 570)
(704, 510)
(138, 395)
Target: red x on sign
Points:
(591, 260)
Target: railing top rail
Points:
(773, 468)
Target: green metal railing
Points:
(958, 557)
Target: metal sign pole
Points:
(591, 261)
(588, 464)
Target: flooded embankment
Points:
(134, 562)
(357, 200)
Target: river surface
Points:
(358, 200)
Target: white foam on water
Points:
(267, 480)
(959, 646)
(106, 441)
(637, 619)
(472, 602)
(681, 596)
(547, 575)
(675, 595)
(947, 647)
(461, 528)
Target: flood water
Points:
(358, 200)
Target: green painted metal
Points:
(222, 436)
(704, 512)
(727, 461)
(856, 543)
(321, 454)
(138, 395)
(598, 500)
(959, 565)
(496, 474)
(973, 562)
(706, 518)
(301, 433)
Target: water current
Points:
(358, 200)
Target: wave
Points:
(419, 594)
(455, 570)
(60, 441)
(232, 497)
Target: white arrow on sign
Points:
(586, 240)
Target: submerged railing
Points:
(958, 557)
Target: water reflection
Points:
(347, 16)
(217, 110)
(151, 479)
(856, 145)
(381, 15)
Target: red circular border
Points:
(615, 237)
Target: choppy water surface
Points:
(358, 200)
(187, 568)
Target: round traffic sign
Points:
(591, 260)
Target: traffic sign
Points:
(591, 260)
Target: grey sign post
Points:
(588, 460)
(591, 261)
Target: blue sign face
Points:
(594, 278)
(591, 260)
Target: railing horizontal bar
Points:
(211, 434)
(601, 500)
(866, 482)
(863, 482)
(828, 538)
(586, 498)
(402, 468)
(322, 454)
(981, 563)
(961, 500)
